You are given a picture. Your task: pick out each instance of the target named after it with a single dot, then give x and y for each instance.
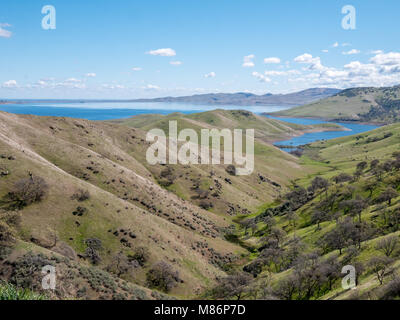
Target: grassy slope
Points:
(123, 196)
(351, 104)
(330, 158)
(268, 130)
(109, 161)
(246, 193)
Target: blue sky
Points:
(133, 49)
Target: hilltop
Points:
(266, 129)
(372, 105)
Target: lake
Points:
(306, 138)
(119, 110)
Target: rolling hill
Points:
(346, 215)
(372, 105)
(102, 202)
(79, 195)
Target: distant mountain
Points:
(237, 99)
(249, 99)
(374, 105)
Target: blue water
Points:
(109, 111)
(316, 136)
(119, 110)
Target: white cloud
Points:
(176, 63)
(304, 58)
(275, 73)
(210, 75)
(166, 52)
(314, 62)
(151, 87)
(353, 51)
(10, 84)
(248, 61)
(261, 77)
(387, 59)
(90, 75)
(281, 73)
(335, 45)
(325, 51)
(382, 70)
(272, 60)
(112, 86)
(136, 69)
(3, 32)
(72, 80)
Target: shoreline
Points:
(379, 124)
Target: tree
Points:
(340, 237)
(292, 217)
(370, 186)
(388, 195)
(27, 191)
(273, 256)
(308, 270)
(81, 195)
(388, 245)
(380, 265)
(120, 264)
(94, 245)
(378, 172)
(319, 183)
(319, 216)
(330, 270)
(374, 164)
(270, 222)
(388, 165)
(278, 234)
(362, 166)
(234, 285)
(354, 207)
(287, 287)
(161, 276)
(141, 255)
(6, 235)
(357, 175)
(342, 177)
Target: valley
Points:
(102, 202)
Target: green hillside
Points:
(266, 129)
(373, 105)
(79, 195)
(345, 215)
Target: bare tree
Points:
(27, 191)
(388, 195)
(380, 265)
(388, 245)
(162, 276)
(235, 285)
